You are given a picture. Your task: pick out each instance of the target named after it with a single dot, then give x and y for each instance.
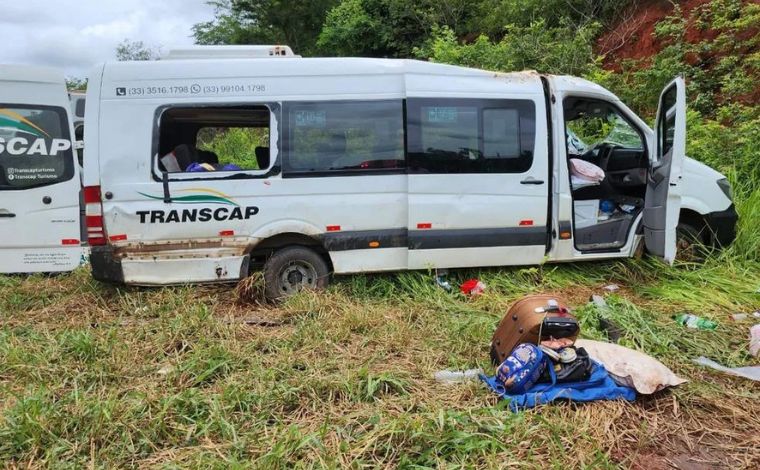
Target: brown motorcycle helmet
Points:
(526, 319)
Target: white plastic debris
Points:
(752, 373)
(739, 316)
(457, 376)
(754, 340)
(599, 301)
(165, 370)
(611, 287)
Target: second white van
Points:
(39, 178)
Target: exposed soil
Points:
(633, 37)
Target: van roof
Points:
(292, 66)
(30, 73)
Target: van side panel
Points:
(215, 237)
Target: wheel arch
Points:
(271, 239)
(695, 219)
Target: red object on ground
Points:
(472, 287)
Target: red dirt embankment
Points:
(633, 37)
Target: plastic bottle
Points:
(692, 321)
(443, 283)
(458, 376)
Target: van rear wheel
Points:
(293, 269)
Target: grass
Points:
(104, 376)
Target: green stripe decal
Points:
(195, 199)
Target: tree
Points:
(135, 50)
(562, 49)
(295, 23)
(387, 28)
(76, 84)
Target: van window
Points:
(214, 139)
(356, 136)
(667, 124)
(470, 135)
(35, 146)
(592, 123)
(79, 107)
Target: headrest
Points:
(262, 157)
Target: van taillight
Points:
(93, 214)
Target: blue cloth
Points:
(599, 386)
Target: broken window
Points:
(215, 139)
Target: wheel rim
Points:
(296, 276)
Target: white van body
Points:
(413, 207)
(39, 180)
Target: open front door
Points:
(663, 197)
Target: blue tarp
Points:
(599, 386)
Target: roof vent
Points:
(228, 52)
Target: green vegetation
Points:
(234, 145)
(93, 374)
(103, 376)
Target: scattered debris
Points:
(614, 332)
(472, 287)
(452, 377)
(631, 368)
(165, 370)
(754, 340)
(692, 321)
(440, 279)
(739, 316)
(611, 288)
(521, 324)
(752, 373)
(599, 302)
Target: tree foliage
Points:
(387, 28)
(135, 50)
(295, 23)
(560, 49)
(76, 84)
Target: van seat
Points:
(262, 157)
(185, 155)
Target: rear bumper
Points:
(722, 225)
(105, 266)
(167, 268)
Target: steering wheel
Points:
(605, 152)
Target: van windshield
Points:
(35, 146)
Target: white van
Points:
(202, 169)
(39, 179)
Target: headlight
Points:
(725, 186)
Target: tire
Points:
(689, 243)
(292, 269)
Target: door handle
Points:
(531, 180)
(7, 214)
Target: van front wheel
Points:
(292, 269)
